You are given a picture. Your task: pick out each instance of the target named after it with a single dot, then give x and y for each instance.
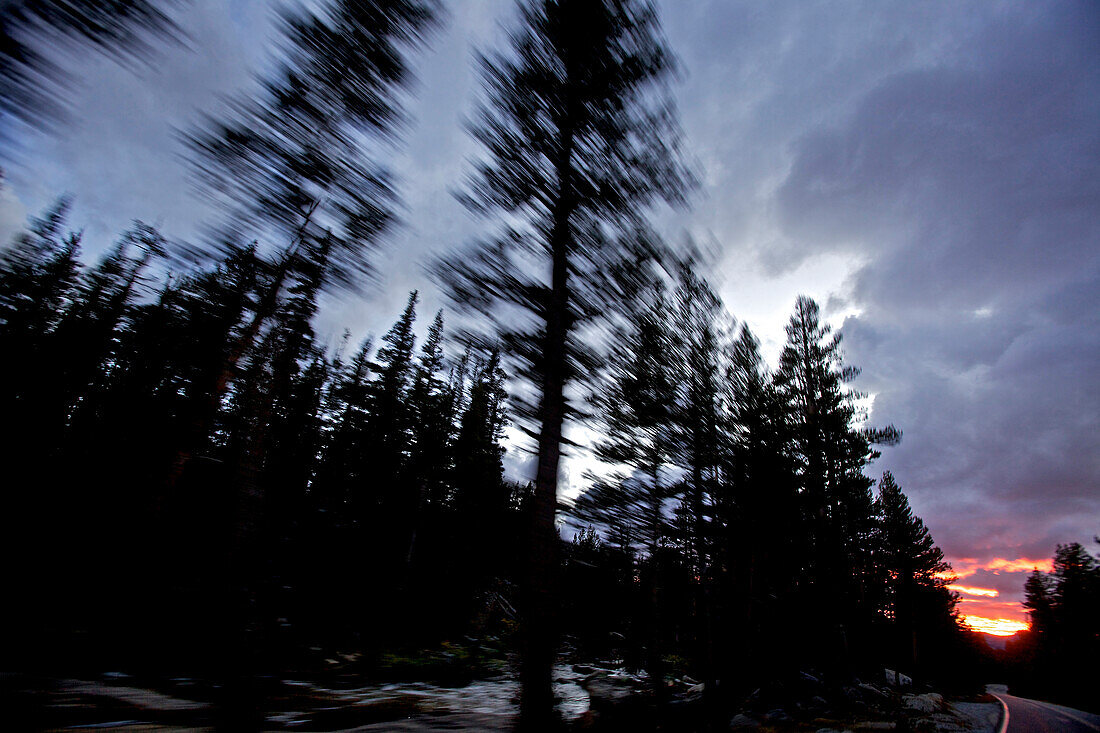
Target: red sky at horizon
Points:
(989, 609)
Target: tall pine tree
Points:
(579, 143)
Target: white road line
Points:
(1049, 707)
(1004, 708)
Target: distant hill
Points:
(998, 642)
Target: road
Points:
(1032, 716)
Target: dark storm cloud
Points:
(969, 186)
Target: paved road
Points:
(1032, 716)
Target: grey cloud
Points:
(969, 185)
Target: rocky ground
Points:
(808, 704)
(592, 697)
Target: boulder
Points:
(605, 695)
(919, 703)
(743, 722)
(777, 716)
(873, 692)
(694, 693)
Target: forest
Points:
(199, 486)
(355, 502)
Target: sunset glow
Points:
(994, 626)
(967, 566)
(972, 591)
(992, 610)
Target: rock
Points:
(583, 669)
(694, 693)
(743, 722)
(873, 691)
(621, 677)
(807, 677)
(605, 695)
(897, 679)
(919, 703)
(777, 716)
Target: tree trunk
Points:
(703, 635)
(539, 592)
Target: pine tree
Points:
(119, 28)
(292, 167)
(89, 330)
(427, 476)
(579, 145)
(1039, 602)
(829, 452)
(698, 421)
(758, 511)
(481, 498)
(1063, 606)
(911, 567)
(390, 424)
(431, 405)
(37, 277)
(637, 404)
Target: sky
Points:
(929, 172)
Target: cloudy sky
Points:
(930, 172)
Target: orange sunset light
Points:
(973, 591)
(967, 566)
(994, 626)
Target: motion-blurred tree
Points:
(29, 89)
(579, 143)
(637, 410)
(295, 165)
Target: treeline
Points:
(175, 475)
(1050, 660)
(356, 501)
(742, 522)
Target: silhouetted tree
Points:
(1039, 601)
(293, 165)
(830, 453)
(29, 79)
(757, 508)
(912, 570)
(1064, 636)
(578, 144)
